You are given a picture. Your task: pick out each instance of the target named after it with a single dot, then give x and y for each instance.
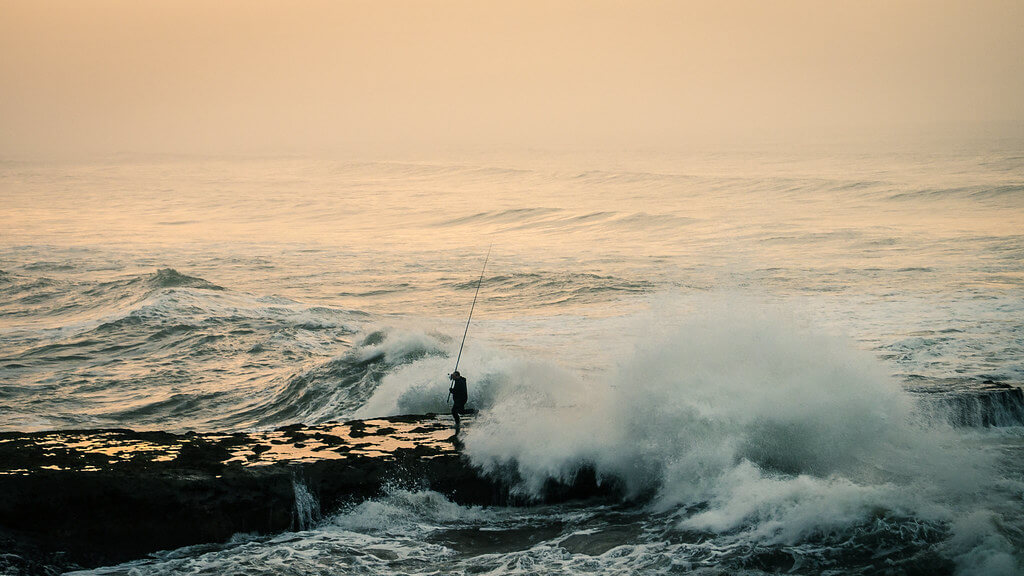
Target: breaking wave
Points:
(339, 387)
(742, 424)
(732, 387)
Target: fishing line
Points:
(471, 308)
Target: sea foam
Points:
(743, 421)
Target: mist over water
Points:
(786, 360)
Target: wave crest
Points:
(741, 422)
(171, 278)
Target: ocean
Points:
(792, 360)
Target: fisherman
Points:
(459, 394)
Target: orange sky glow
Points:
(269, 76)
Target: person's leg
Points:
(456, 409)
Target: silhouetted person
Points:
(459, 394)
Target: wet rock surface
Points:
(96, 497)
(990, 404)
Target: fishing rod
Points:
(470, 319)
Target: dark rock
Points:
(96, 497)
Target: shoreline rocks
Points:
(88, 498)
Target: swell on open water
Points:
(791, 363)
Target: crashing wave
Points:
(337, 388)
(740, 424)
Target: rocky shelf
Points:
(86, 498)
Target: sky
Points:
(108, 77)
